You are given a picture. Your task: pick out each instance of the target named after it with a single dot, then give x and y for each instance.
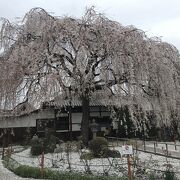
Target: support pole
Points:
(175, 145)
(154, 147)
(129, 168)
(70, 122)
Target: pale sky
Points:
(156, 17)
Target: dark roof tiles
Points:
(75, 102)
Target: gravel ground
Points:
(5, 174)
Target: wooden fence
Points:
(167, 149)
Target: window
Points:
(42, 124)
(62, 123)
(102, 121)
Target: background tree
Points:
(89, 56)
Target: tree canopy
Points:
(48, 56)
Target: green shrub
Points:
(98, 146)
(169, 175)
(50, 143)
(36, 146)
(47, 145)
(112, 153)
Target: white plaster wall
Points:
(30, 120)
(26, 120)
(105, 113)
(76, 118)
(76, 127)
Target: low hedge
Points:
(34, 172)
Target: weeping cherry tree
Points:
(63, 56)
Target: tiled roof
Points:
(23, 108)
(75, 102)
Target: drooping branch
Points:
(92, 54)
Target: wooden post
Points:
(136, 146)
(167, 149)
(42, 164)
(144, 144)
(175, 144)
(156, 142)
(129, 168)
(3, 152)
(154, 147)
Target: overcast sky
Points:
(156, 17)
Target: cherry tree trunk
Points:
(85, 120)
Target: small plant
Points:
(86, 159)
(152, 177)
(87, 155)
(98, 146)
(68, 156)
(58, 149)
(80, 144)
